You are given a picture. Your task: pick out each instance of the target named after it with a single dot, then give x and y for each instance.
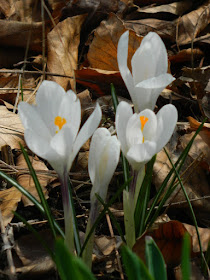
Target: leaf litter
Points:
(81, 46)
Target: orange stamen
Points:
(59, 122)
(143, 121)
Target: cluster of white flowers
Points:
(52, 125)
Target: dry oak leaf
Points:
(193, 23)
(102, 53)
(9, 199)
(15, 33)
(165, 29)
(168, 237)
(205, 131)
(99, 80)
(26, 180)
(11, 129)
(63, 42)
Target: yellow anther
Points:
(143, 121)
(59, 122)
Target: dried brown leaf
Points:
(103, 49)
(193, 23)
(11, 129)
(26, 180)
(9, 199)
(63, 42)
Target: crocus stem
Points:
(87, 254)
(139, 181)
(129, 204)
(68, 215)
(128, 208)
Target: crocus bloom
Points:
(144, 134)
(103, 159)
(149, 70)
(52, 125)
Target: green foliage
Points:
(69, 266)
(185, 265)
(134, 267)
(155, 261)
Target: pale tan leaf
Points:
(63, 42)
(11, 129)
(193, 23)
(9, 199)
(26, 180)
(204, 236)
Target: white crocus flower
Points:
(103, 159)
(149, 70)
(52, 125)
(144, 134)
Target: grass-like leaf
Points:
(69, 266)
(40, 192)
(134, 266)
(30, 197)
(103, 212)
(161, 197)
(155, 261)
(185, 263)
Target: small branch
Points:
(7, 246)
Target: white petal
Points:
(133, 131)
(48, 98)
(123, 114)
(98, 142)
(34, 125)
(105, 150)
(122, 56)
(150, 59)
(37, 144)
(158, 82)
(166, 122)
(149, 90)
(87, 130)
(60, 153)
(70, 109)
(150, 127)
(141, 154)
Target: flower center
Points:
(143, 121)
(59, 122)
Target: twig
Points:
(7, 248)
(115, 247)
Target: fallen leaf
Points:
(168, 237)
(204, 236)
(193, 174)
(205, 131)
(165, 29)
(11, 129)
(176, 8)
(26, 181)
(9, 199)
(102, 52)
(99, 80)
(185, 55)
(191, 24)
(32, 259)
(63, 42)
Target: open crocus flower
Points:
(149, 70)
(144, 134)
(52, 125)
(103, 159)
